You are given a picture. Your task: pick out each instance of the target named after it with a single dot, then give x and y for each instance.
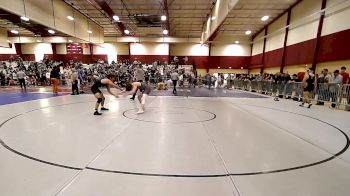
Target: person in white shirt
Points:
(174, 77)
(21, 75)
(73, 77)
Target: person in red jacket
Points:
(345, 75)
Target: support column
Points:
(208, 59)
(18, 48)
(319, 32)
(129, 52)
(169, 56)
(264, 49)
(54, 51)
(91, 52)
(283, 63)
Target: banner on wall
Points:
(187, 68)
(74, 48)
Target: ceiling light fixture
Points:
(24, 18)
(51, 31)
(89, 31)
(163, 18)
(38, 40)
(230, 67)
(236, 42)
(265, 18)
(8, 41)
(14, 31)
(126, 31)
(116, 18)
(70, 18)
(248, 32)
(213, 18)
(218, 67)
(70, 41)
(165, 32)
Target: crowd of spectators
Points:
(17, 72)
(48, 72)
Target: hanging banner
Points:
(74, 48)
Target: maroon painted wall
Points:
(213, 62)
(300, 53)
(256, 60)
(28, 57)
(335, 47)
(224, 62)
(200, 62)
(76, 57)
(273, 58)
(149, 58)
(4, 57)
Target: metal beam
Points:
(166, 10)
(264, 51)
(318, 38)
(285, 41)
(105, 7)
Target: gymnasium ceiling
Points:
(186, 17)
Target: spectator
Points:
(345, 75)
(74, 80)
(278, 79)
(323, 79)
(327, 76)
(55, 79)
(337, 80)
(82, 78)
(295, 78)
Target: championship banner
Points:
(74, 48)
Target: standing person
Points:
(21, 79)
(308, 82)
(336, 83)
(345, 75)
(208, 80)
(174, 77)
(144, 88)
(82, 79)
(48, 81)
(107, 82)
(324, 78)
(74, 80)
(278, 80)
(55, 79)
(139, 75)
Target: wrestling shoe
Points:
(97, 113)
(103, 108)
(140, 112)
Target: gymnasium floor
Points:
(188, 146)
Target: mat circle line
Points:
(183, 122)
(343, 150)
